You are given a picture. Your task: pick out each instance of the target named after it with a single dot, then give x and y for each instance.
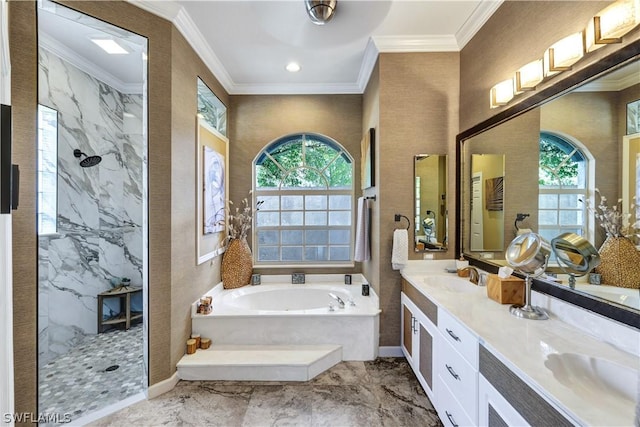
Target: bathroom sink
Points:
(594, 377)
(453, 284)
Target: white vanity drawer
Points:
(449, 410)
(460, 377)
(459, 337)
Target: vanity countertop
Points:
(525, 345)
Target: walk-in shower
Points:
(92, 210)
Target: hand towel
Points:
(400, 251)
(363, 246)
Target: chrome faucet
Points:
(337, 298)
(474, 274)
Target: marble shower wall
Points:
(99, 208)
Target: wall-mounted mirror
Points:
(557, 150)
(430, 206)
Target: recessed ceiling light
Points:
(293, 67)
(110, 46)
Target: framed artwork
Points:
(212, 192)
(633, 117)
(368, 159)
(494, 190)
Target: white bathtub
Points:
(279, 313)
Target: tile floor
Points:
(78, 383)
(383, 392)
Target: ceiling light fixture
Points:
(110, 46)
(320, 11)
(293, 67)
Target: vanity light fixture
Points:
(292, 67)
(563, 54)
(501, 93)
(611, 23)
(110, 46)
(528, 77)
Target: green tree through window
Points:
(305, 182)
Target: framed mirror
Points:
(580, 123)
(430, 203)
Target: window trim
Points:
(303, 191)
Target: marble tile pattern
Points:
(100, 215)
(77, 383)
(383, 392)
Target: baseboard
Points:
(108, 410)
(390, 351)
(163, 386)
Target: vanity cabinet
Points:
(457, 373)
(420, 337)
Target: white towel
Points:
(400, 251)
(363, 246)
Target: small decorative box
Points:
(505, 291)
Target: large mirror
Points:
(557, 151)
(430, 203)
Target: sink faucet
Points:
(474, 274)
(337, 298)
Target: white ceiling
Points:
(248, 43)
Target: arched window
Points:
(563, 183)
(305, 184)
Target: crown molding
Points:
(367, 65)
(478, 18)
(164, 9)
(62, 51)
(297, 89)
(608, 85)
(432, 43)
(190, 31)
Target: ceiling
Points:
(247, 43)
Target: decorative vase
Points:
(237, 264)
(619, 263)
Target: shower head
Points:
(88, 161)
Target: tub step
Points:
(259, 362)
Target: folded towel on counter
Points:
(400, 251)
(363, 242)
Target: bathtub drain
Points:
(112, 368)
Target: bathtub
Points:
(279, 313)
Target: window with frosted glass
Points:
(47, 172)
(562, 183)
(305, 184)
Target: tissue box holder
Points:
(505, 291)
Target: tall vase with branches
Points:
(237, 262)
(620, 260)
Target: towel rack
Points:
(398, 217)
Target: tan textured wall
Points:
(371, 119)
(418, 114)
(517, 33)
(257, 120)
(23, 45)
(189, 281)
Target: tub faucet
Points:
(474, 274)
(337, 298)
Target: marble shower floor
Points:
(78, 383)
(383, 392)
